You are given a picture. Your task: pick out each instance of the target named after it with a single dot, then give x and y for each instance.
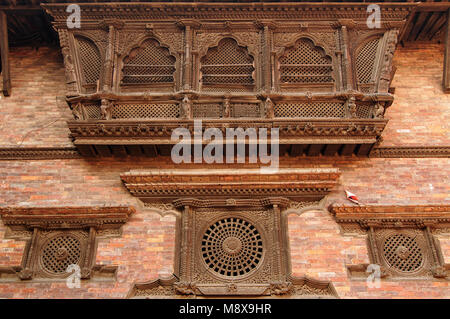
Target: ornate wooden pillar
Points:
(108, 71)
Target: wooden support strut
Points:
(446, 77)
(4, 54)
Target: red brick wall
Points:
(32, 114)
(420, 114)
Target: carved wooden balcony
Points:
(318, 73)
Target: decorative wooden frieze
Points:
(400, 239)
(411, 151)
(61, 241)
(228, 60)
(4, 55)
(232, 237)
(298, 184)
(38, 153)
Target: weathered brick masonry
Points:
(147, 245)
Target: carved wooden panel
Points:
(404, 253)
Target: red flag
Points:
(352, 197)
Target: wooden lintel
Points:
(4, 54)
(446, 77)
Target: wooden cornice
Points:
(66, 217)
(38, 153)
(289, 10)
(411, 151)
(167, 185)
(394, 211)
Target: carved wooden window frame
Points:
(216, 200)
(331, 86)
(84, 86)
(58, 239)
(400, 240)
(226, 86)
(171, 86)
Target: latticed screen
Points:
(403, 253)
(208, 110)
(93, 110)
(227, 64)
(364, 110)
(149, 64)
(365, 61)
(91, 60)
(149, 110)
(232, 247)
(325, 109)
(305, 63)
(246, 110)
(60, 252)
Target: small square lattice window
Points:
(405, 253)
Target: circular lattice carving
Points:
(402, 253)
(60, 252)
(232, 247)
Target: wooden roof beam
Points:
(4, 54)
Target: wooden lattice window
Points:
(232, 247)
(59, 250)
(151, 63)
(91, 61)
(365, 61)
(306, 64)
(227, 64)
